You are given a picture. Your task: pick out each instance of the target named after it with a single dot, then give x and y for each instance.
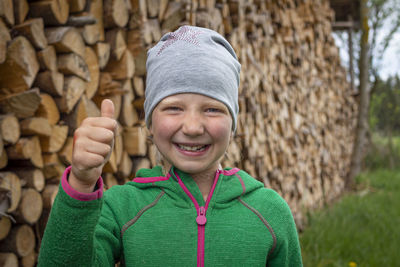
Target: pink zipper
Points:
(201, 219)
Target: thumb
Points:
(107, 108)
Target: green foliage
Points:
(385, 106)
(384, 20)
(382, 154)
(359, 230)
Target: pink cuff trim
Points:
(78, 195)
(143, 180)
(230, 172)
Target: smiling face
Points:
(191, 131)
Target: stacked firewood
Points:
(60, 58)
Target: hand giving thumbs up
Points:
(93, 145)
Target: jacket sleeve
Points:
(287, 252)
(79, 233)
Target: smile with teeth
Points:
(192, 148)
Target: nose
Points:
(193, 124)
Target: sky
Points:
(391, 59)
(390, 63)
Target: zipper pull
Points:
(201, 218)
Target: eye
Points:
(172, 108)
(214, 110)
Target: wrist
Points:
(80, 186)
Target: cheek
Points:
(162, 127)
(222, 130)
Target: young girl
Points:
(194, 213)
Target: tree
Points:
(364, 89)
(384, 18)
(385, 112)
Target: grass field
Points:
(362, 229)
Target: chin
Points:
(192, 168)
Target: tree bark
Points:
(363, 106)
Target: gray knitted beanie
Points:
(192, 60)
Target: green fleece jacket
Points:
(158, 220)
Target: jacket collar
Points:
(232, 183)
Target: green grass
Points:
(363, 227)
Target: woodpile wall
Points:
(60, 58)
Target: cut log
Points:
(103, 53)
(94, 73)
(95, 33)
(21, 241)
(49, 194)
(92, 109)
(66, 40)
(77, 115)
(153, 8)
(135, 141)
(23, 105)
(35, 126)
(138, 86)
(53, 168)
(128, 115)
(125, 167)
(48, 109)
(10, 181)
(4, 38)
(30, 207)
(7, 11)
(140, 62)
(134, 41)
(135, 21)
(155, 30)
(32, 178)
(108, 86)
(73, 64)
(140, 163)
(33, 30)
(111, 165)
(53, 12)
(121, 69)
(91, 33)
(27, 149)
(3, 159)
(8, 260)
(9, 128)
(138, 103)
(85, 108)
(5, 227)
(116, 98)
(19, 70)
(51, 82)
(1, 145)
(56, 140)
(29, 260)
(173, 16)
(146, 33)
(119, 144)
(77, 5)
(116, 39)
(81, 20)
(109, 180)
(47, 58)
(115, 13)
(73, 89)
(163, 7)
(65, 154)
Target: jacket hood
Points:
(231, 184)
